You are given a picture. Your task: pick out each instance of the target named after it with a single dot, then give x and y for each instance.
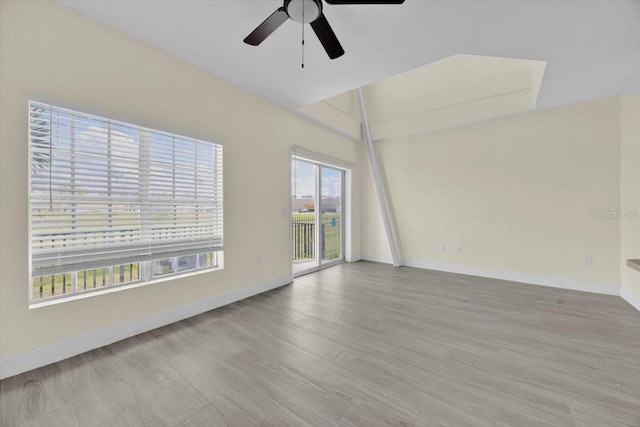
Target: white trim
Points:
(70, 347)
(630, 297)
(348, 220)
(532, 279)
(307, 154)
(377, 258)
(317, 215)
(289, 214)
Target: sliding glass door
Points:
(331, 240)
(304, 215)
(317, 217)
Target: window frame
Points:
(145, 274)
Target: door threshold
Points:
(318, 268)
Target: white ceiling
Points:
(592, 48)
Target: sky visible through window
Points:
(303, 181)
(86, 141)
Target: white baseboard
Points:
(354, 258)
(378, 258)
(43, 356)
(630, 297)
(533, 279)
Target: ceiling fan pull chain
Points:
(303, 34)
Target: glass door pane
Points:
(304, 186)
(331, 239)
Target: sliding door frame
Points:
(343, 179)
(318, 213)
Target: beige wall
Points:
(630, 194)
(49, 50)
(516, 193)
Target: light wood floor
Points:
(359, 345)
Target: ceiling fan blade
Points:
(327, 37)
(364, 1)
(265, 29)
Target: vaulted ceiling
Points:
(454, 91)
(591, 48)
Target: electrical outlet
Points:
(259, 260)
(459, 249)
(588, 260)
(441, 247)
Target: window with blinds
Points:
(113, 203)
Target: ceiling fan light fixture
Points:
(303, 11)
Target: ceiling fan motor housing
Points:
(303, 11)
(307, 12)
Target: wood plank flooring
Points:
(359, 344)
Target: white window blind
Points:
(104, 192)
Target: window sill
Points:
(117, 288)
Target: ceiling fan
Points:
(307, 12)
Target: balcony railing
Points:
(304, 235)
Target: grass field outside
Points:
(60, 284)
